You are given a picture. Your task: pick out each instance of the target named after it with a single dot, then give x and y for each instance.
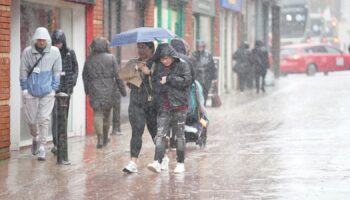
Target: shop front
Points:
(204, 16)
(229, 40)
(170, 14)
(27, 15)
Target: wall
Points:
(5, 18)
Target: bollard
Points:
(62, 142)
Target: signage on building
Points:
(234, 5)
(205, 7)
(83, 1)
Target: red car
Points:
(312, 58)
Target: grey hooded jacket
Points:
(47, 76)
(100, 76)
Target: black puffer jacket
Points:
(100, 76)
(69, 63)
(178, 78)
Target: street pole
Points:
(62, 114)
(276, 42)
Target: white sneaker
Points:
(130, 168)
(42, 153)
(154, 167)
(180, 168)
(165, 163)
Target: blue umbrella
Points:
(142, 34)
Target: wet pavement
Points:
(291, 143)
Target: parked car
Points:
(312, 58)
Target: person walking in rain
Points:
(101, 79)
(68, 79)
(40, 71)
(142, 110)
(175, 79)
(205, 70)
(260, 60)
(242, 57)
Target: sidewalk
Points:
(97, 173)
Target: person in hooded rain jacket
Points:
(68, 78)
(260, 60)
(242, 57)
(205, 70)
(101, 81)
(142, 110)
(40, 70)
(174, 79)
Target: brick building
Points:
(82, 20)
(5, 18)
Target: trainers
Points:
(130, 168)
(154, 167)
(35, 146)
(116, 131)
(165, 164)
(180, 168)
(42, 154)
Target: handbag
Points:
(216, 100)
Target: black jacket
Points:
(243, 60)
(205, 70)
(70, 68)
(260, 59)
(69, 71)
(178, 78)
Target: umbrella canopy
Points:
(142, 34)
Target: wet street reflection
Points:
(292, 142)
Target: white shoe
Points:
(130, 168)
(180, 168)
(41, 153)
(154, 167)
(165, 163)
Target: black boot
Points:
(105, 139)
(99, 142)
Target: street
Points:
(292, 142)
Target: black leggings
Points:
(139, 117)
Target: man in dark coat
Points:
(68, 78)
(205, 70)
(175, 79)
(242, 57)
(260, 61)
(101, 80)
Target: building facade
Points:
(222, 24)
(81, 20)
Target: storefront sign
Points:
(234, 5)
(84, 1)
(205, 7)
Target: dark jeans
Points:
(55, 122)
(139, 117)
(261, 74)
(206, 87)
(241, 81)
(174, 120)
(116, 113)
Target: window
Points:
(333, 50)
(318, 49)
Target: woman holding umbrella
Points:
(142, 111)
